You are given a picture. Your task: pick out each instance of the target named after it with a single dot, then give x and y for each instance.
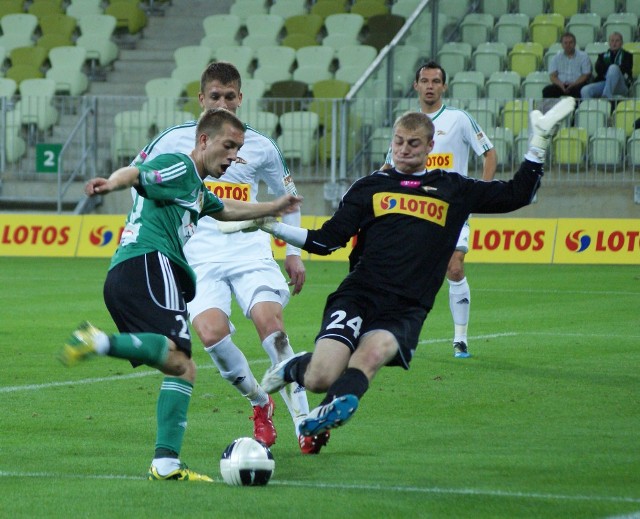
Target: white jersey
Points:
(239, 182)
(455, 133)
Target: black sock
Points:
(294, 372)
(351, 382)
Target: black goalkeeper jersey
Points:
(407, 226)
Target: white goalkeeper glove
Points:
(246, 225)
(544, 126)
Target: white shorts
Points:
(251, 282)
(463, 239)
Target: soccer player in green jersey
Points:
(150, 282)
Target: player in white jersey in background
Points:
(242, 264)
(456, 133)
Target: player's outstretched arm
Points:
(238, 210)
(120, 179)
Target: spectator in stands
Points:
(613, 71)
(569, 70)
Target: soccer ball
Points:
(246, 462)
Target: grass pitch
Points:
(541, 422)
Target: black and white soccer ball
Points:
(246, 462)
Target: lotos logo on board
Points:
(228, 190)
(577, 241)
(387, 203)
(423, 207)
(101, 236)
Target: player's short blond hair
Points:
(416, 121)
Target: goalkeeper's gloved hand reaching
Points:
(544, 127)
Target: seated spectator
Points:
(613, 71)
(569, 70)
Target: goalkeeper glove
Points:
(544, 126)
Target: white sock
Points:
(233, 367)
(459, 303)
(165, 465)
(294, 395)
(102, 343)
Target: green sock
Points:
(148, 348)
(173, 402)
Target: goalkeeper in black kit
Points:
(407, 221)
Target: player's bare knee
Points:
(211, 326)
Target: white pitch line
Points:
(141, 374)
(365, 487)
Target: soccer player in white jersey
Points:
(242, 264)
(456, 133)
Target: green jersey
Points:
(171, 198)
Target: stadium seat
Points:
(130, 18)
(585, 27)
(264, 122)
(545, 30)
(489, 57)
(634, 48)
(405, 62)
(533, 83)
(455, 57)
(485, 112)
(624, 23)
(272, 73)
(346, 25)
(242, 57)
(17, 30)
(569, 146)
(44, 9)
(222, 26)
(299, 135)
(287, 8)
(66, 70)
(36, 103)
(275, 57)
(626, 113)
(253, 89)
(467, 85)
(163, 94)
(369, 8)
(130, 134)
(512, 28)
(592, 115)
(263, 30)
(525, 58)
(633, 149)
(379, 144)
(79, 9)
(317, 56)
(311, 74)
(308, 24)
(515, 115)
(327, 90)
(326, 8)
(297, 41)
(606, 147)
(245, 8)
(355, 56)
(502, 140)
(476, 28)
(404, 7)
(101, 51)
(11, 7)
(531, 8)
(503, 85)
(603, 8)
(456, 9)
(631, 6)
(287, 96)
(190, 61)
(496, 8)
(566, 8)
(381, 29)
